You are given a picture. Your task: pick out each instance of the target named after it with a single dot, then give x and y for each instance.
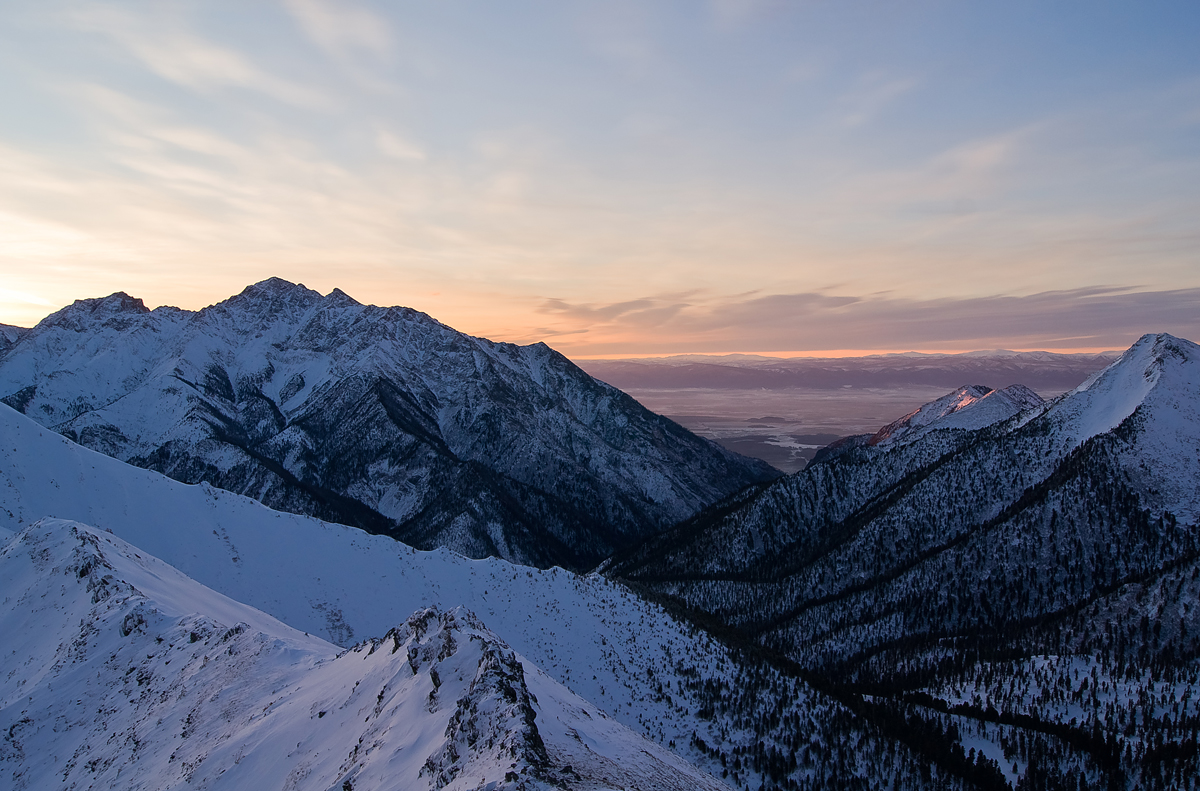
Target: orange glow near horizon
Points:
(830, 353)
(515, 319)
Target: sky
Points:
(619, 178)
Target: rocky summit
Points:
(380, 418)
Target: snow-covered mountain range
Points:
(381, 418)
(925, 562)
(990, 592)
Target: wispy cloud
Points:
(164, 45)
(1109, 317)
(872, 96)
(397, 147)
(343, 28)
(645, 314)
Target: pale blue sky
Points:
(618, 178)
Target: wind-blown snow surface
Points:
(381, 418)
(637, 663)
(126, 673)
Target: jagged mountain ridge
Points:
(125, 673)
(1068, 530)
(381, 418)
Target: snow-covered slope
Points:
(123, 672)
(643, 667)
(324, 578)
(969, 407)
(1155, 385)
(381, 418)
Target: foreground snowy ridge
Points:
(341, 583)
(641, 666)
(126, 673)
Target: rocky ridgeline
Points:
(131, 675)
(380, 418)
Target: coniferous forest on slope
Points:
(981, 586)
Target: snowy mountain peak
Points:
(341, 298)
(1145, 359)
(1020, 395)
(934, 410)
(271, 302)
(472, 669)
(969, 407)
(93, 312)
(381, 418)
(277, 286)
(1159, 372)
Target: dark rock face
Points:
(9, 335)
(381, 418)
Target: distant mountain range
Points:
(381, 418)
(781, 410)
(1040, 371)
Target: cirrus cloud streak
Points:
(1085, 318)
